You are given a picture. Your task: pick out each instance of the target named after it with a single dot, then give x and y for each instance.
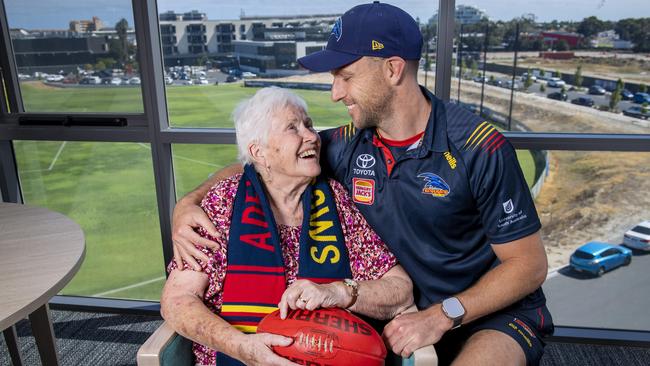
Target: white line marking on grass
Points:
(129, 287)
(176, 156)
(56, 157)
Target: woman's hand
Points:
(186, 217)
(256, 350)
(305, 294)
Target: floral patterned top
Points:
(369, 257)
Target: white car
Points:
(556, 83)
(116, 81)
(134, 81)
(248, 75)
(638, 237)
(202, 81)
(187, 82)
(54, 78)
(169, 80)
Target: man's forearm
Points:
(384, 298)
(195, 196)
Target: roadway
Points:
(620, 299)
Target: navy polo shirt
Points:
(441, 204)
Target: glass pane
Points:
(108, 189)
(209, 50)
(595, 197)
(194, 163)
(75, 56)
(586, 68)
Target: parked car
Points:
(480, 79)
(187, 82)
(524, 76)
(555, 83)
(169, 80)
(597, 90)
(597, 257)
(641, 98)
(201, 81)
(54, 78)
(585, 101)
(134, 81)
(558, 96)
(231, 78)
(90, 80)
(626, 94)
(248, 75)
(638, 237)
(637, 112)
(116, 81)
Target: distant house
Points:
(610, 39)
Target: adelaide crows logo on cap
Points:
(337, 30)
(434, 185)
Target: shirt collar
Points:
(435, 134)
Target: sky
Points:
(56, 14)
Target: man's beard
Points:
(377, 106)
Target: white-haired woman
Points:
(288, 238)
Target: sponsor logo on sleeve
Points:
(512, 216)
(363, 191)
(434, 185)
(364, 163)
(508, 207)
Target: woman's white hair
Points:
(252, 117)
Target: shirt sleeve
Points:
(370, 258)
(502, 195)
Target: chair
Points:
(167, 348)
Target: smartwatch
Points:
(454, 310)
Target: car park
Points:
(641, 98)
(637, 112)
(558, 96)
(585, 101)
(626, 94)
(597, 258)
(638, 237)
(555, 83)
(597, 90)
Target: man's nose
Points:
(337, 90)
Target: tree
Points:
(643, 88)
(562, 45)
(578, 76)
(614, 99)
(474, 67)
(591, 26)
(492, 79)
(529, 79)
(463, 68)
(121, 28)
(542, 88)
(620, 84)
(557, 74)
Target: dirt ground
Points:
(587, 195)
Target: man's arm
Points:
(522, 270)
(188, 215)
(382, 298)
(181, 306)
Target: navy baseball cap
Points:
(377, 29)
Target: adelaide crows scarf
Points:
(255, 278)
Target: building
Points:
(85, 26)
(259, 44)
(466, 14)
(610, 39)
(552, 38)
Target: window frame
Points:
(152, 126)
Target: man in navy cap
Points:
(440, 185)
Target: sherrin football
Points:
(326, 337)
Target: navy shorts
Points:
(526, 326)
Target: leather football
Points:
(326, 337)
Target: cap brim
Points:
(327, 60)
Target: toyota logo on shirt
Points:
(365, 161)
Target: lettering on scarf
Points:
(320, 231)
(261, 240)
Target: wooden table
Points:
(40, 252)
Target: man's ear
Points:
(395, 69)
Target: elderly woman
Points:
(288, 238)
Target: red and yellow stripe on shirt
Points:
(486, 137)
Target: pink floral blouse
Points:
(369, 257)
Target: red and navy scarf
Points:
(255, 277)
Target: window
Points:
(74, 63)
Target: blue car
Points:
(641, 98)
(598, 258)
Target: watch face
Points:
(453, 307)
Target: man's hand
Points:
(256, 350)
(411, 331)
(186, 217)
(304, 294)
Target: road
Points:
(620, 299)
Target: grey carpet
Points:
(114, 339)
(87, 338)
